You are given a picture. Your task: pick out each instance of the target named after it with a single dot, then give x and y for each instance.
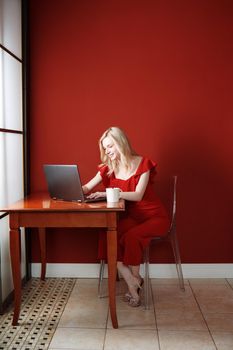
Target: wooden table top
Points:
(41, 201)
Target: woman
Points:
(145, 216)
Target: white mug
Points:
(112, 194)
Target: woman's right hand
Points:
(95, 195)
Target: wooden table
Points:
(38, 210)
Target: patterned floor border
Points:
(42, 305)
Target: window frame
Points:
(25, 129)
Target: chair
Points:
(170, 237)
(101, 276)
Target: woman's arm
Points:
(92, 183)
(130, 196)
(140, 189)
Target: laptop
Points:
(64, 183)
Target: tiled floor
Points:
(67, 314)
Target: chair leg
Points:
(146, 277)
(101, 276)
(176, 253)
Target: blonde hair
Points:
(123, 145)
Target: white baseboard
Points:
(156, 270)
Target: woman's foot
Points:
(134, 290)
(127, 297)
(134, 302)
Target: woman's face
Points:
(110, 148)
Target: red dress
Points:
(142, 219)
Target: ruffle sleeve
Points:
(147, 164)
(103, 169)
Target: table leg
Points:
(16, 271)
(112, 257)
(42, 239)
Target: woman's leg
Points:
(135, 269)
(130, 274)
(133, 282)
(137, 237)
(124, 225)
(131, 242)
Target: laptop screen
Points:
(63, 182)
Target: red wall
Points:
(161, 70)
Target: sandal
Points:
(127, 297)
(140, 286)
(133, 301)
